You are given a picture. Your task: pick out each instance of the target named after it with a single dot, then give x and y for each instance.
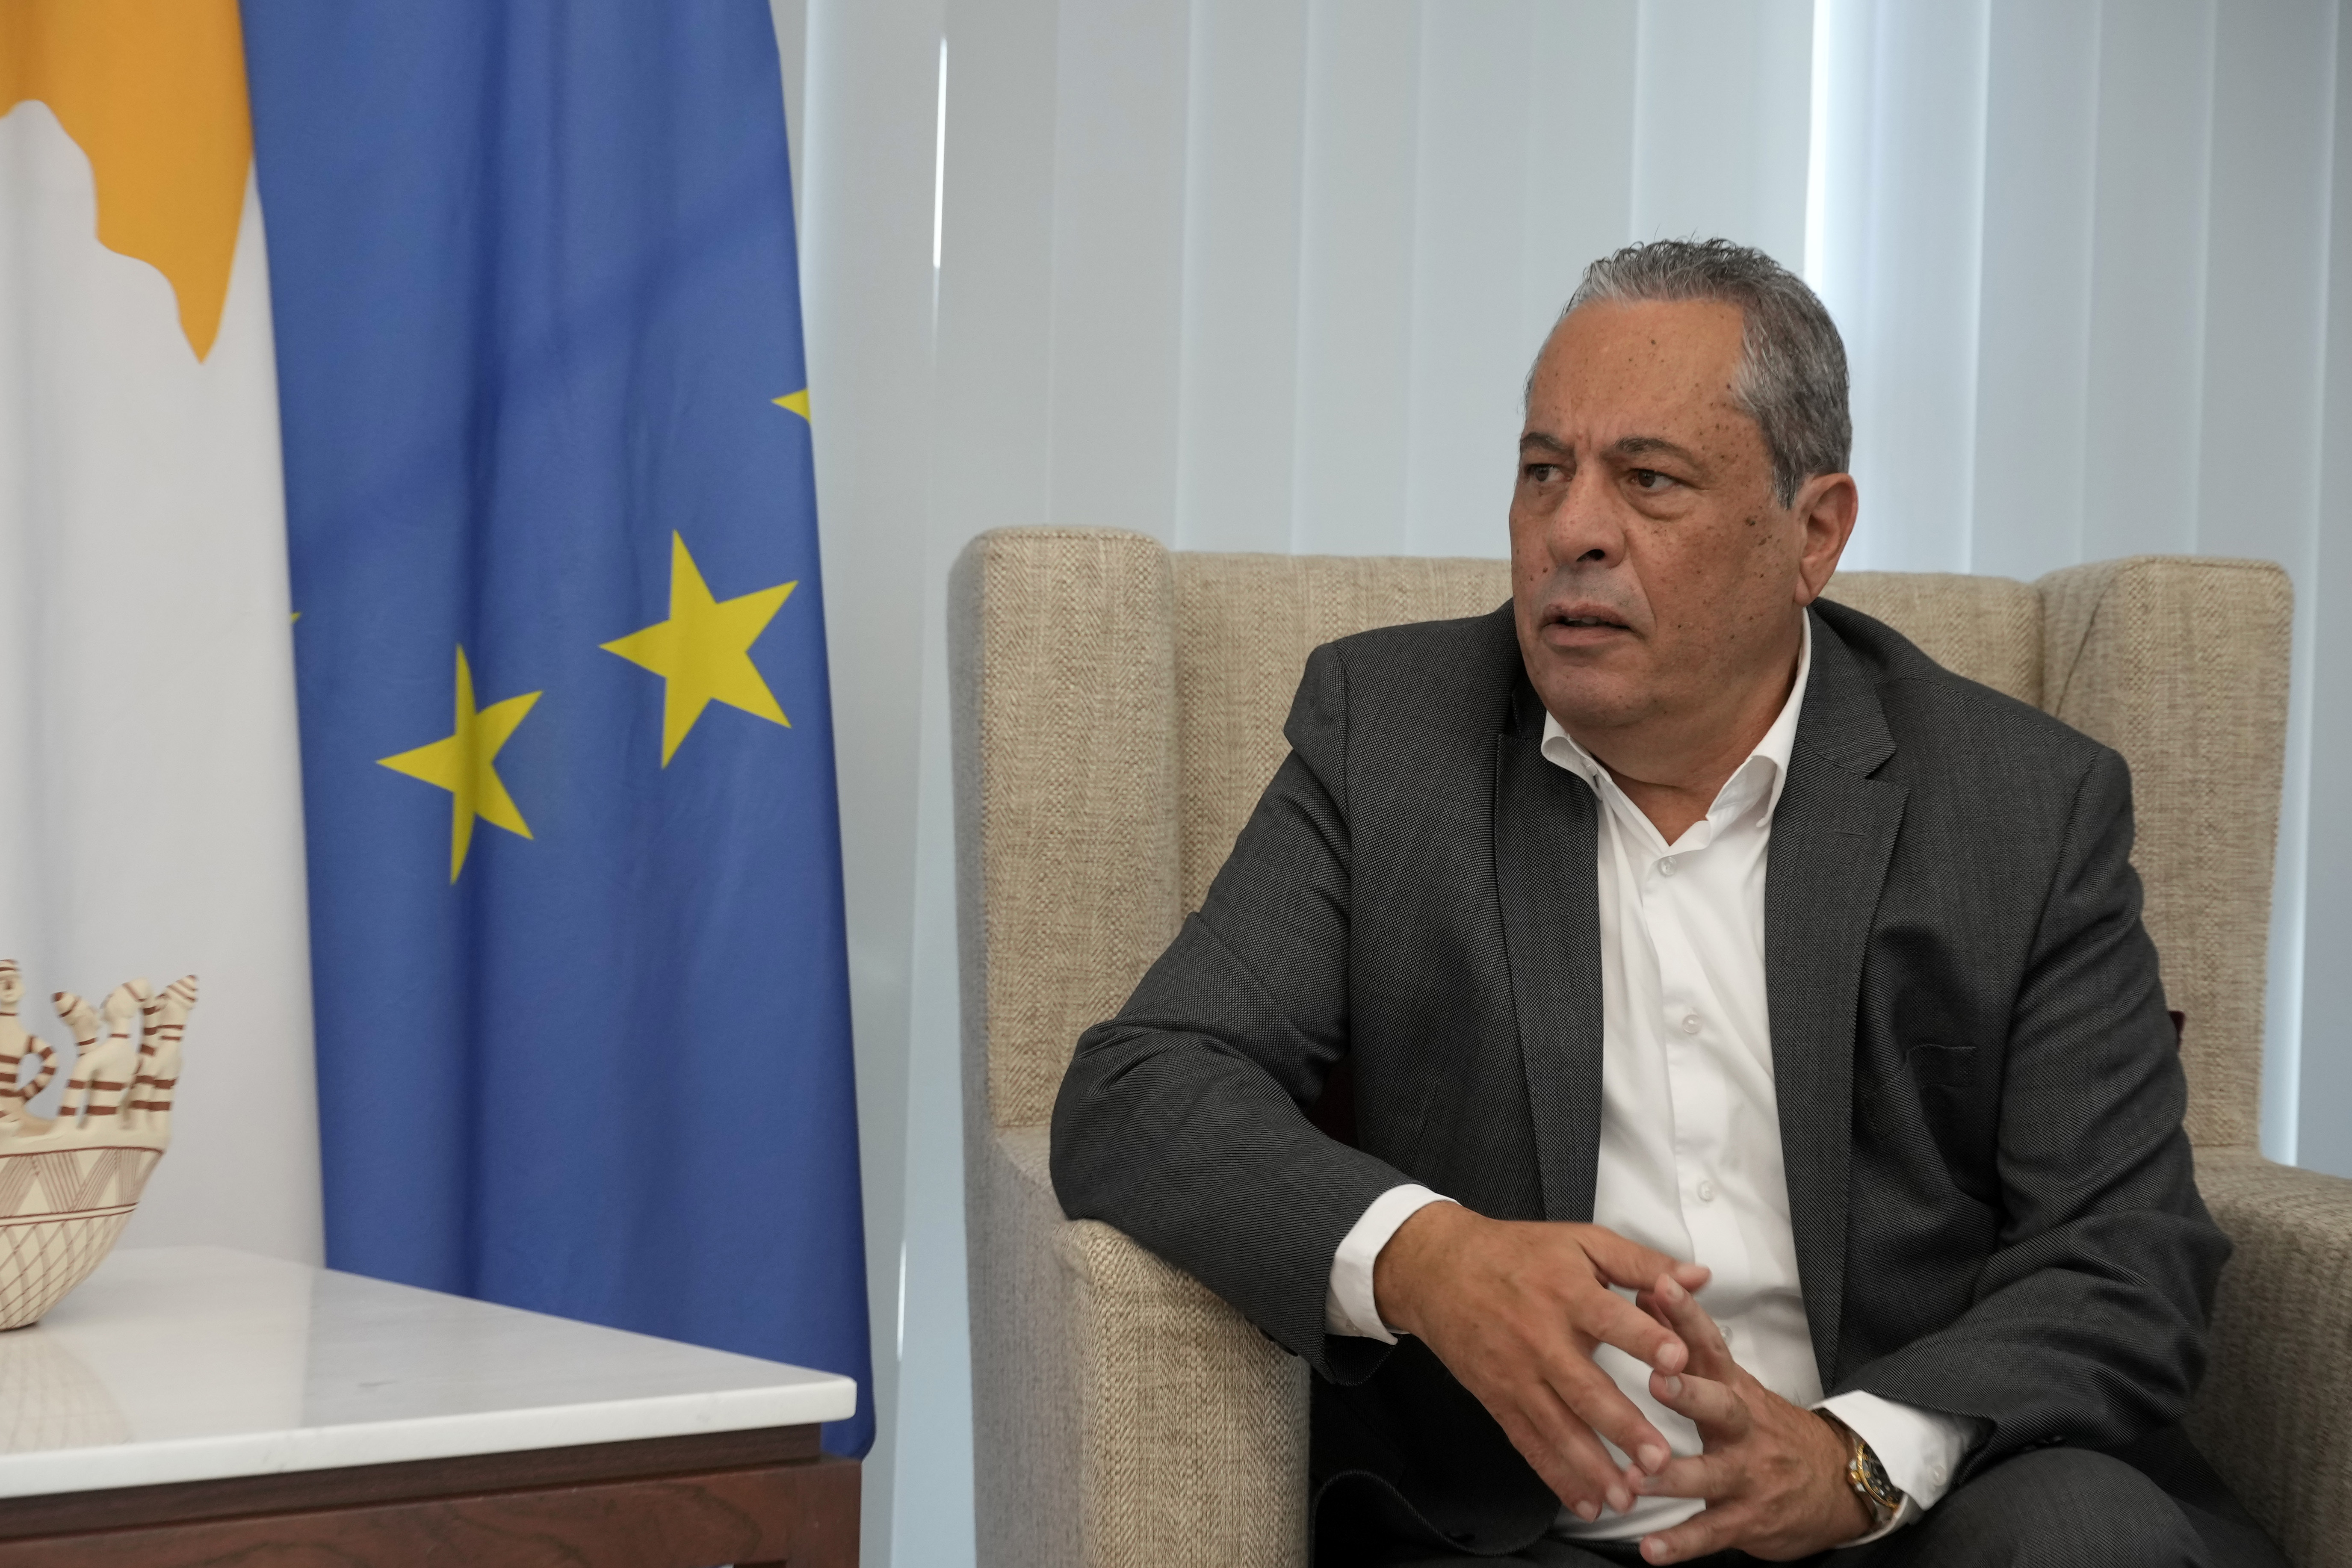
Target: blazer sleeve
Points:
(1182, 1122)
(2087, 1324)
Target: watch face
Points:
(1882, 1491)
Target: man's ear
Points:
(1825, 509)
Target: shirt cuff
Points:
(1920, 1449)
(1347, 1305)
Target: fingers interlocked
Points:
(1769, 1473)
(1509, 1290)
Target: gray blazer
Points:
(1980, 1091)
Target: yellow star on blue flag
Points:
(704, 650)
(462, 763)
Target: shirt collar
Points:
(1767, 765)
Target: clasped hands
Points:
(1515, 1310)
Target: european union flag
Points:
(575, 879)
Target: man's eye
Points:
(1543, 473)
(1649, 479)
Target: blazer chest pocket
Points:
(1947, 1067)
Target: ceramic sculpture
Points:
(68, 1185)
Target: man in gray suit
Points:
(1765, 1128)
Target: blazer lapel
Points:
(1545, 860)
(1833, 836)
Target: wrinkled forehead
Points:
(1612, 369)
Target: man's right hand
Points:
(1515, 1310)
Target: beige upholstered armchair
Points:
(1117, 711)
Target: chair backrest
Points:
(1118, 709)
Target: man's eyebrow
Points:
(1652, 447)
(1630, 446)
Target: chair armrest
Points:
(2274, 1414)
(1124, 1417)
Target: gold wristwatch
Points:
(1866, 1476)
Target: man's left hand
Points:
(1772, 1475)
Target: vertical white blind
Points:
(1901, 222)
(1266, 275)
(1384, 206)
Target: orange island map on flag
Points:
(150, 792)
(153, 94)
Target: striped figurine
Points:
(102, 1068)
(16, 1044)
(158, 1054)
(141, 1101)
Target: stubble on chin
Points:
(1588, 699)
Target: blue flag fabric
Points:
(575, 879)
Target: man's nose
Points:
(1586, 529)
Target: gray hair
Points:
(1792, 379)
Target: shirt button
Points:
(1936, 1476)
(1667, 867)
(1706, 1191)
(1690, 1024)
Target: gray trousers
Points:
(2053, 1508)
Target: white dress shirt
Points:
(1690, 1134)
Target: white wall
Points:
(1265, 274)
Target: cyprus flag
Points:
(150, 801)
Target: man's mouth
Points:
(1587, 620)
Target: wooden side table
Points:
(194, 1406)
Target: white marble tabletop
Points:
(185, 1363)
